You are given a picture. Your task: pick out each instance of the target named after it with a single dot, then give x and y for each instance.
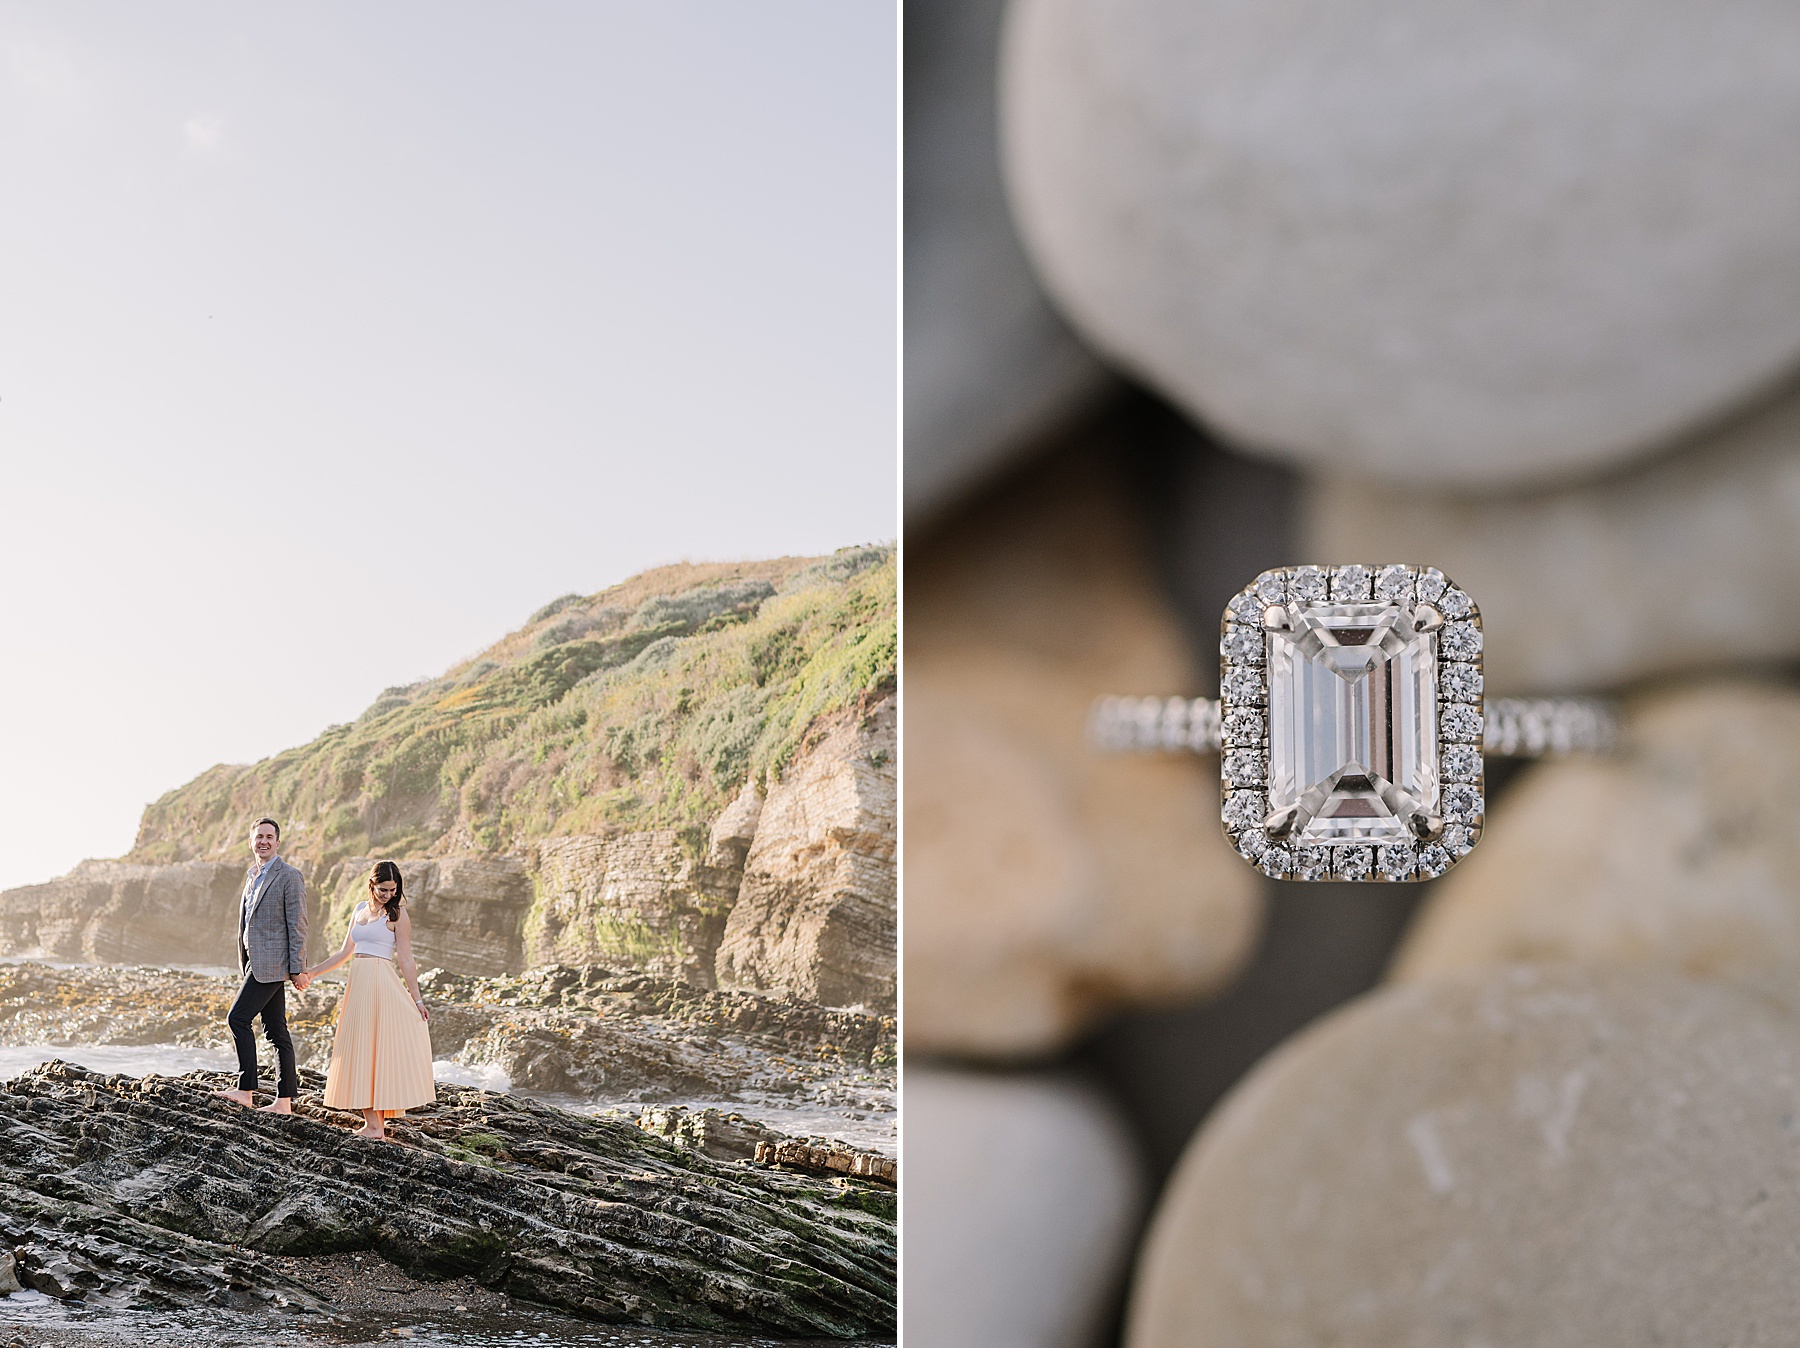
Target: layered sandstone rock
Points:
(815, 915)
(729, 842)
(468, 913)
(641, 901)
(817, 921)
(120, 912)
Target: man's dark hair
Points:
(271, 823)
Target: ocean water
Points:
(137, 1060)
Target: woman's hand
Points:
(423, 1013)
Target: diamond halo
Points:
(1354, 715)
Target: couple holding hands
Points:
(381, 1057)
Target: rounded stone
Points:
(998, 883)
(1048, 883)
(1022, 1194)
(1565, 1159)
(1468, 243)
(1679, 853)
(1683, 563)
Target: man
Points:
(271, 949)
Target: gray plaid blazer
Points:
(276, 931)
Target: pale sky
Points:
(336, 338)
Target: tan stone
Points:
(1577, 1159)
(998, 886)
(1688, 562)
(815, 915)
(1680, 853)
(1047, 883)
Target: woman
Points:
(381, 1058)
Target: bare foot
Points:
(282, 1105)
(378, 1135)
(241, 1097)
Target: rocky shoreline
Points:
(155, 1193)
(593, 1035)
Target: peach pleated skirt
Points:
(381, 1058)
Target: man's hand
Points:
(301, 979)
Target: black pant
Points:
(270, 1001)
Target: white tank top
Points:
(371, 935)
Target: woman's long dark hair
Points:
(383, 872)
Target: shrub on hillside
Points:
(554, 607)
(842, 565)
(726, 730)
(700, 605)
(648, 722)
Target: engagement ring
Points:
(1351, 726)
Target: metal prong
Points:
(1280, 822)
(1276, 619)
(1426, 827)
(1427, 619)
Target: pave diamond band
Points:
(1514, 727)
(1352, 723)
(1533, 727)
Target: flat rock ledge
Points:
(154, 1192)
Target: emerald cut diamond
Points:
(1353, 743)
(1351, 703)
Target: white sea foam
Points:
(484, 1076)
(132, 1059)
(174, 1059)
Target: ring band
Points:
(1516, 727)
(1352, 725)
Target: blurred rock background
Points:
(1196, 290)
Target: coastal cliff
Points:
(644, 706)
(127, 913)
(690, 775)
(468, 913)
(815, 912)
(642, 900)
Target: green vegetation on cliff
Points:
(644, 706)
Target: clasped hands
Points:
(300, 980)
